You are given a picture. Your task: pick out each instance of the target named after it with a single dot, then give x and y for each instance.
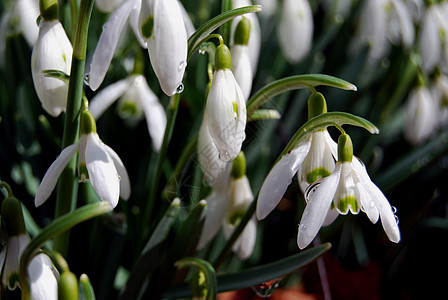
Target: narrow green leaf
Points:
(85, 288)
(206, 268)
(253, 276)
(263, 114)
(58, 226)
(197, 37)
(293, 83)
(322, 121)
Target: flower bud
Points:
(49, 9)
(316, 105)
(88, 124)
(68, 286)
(12, 217)
(242, 32)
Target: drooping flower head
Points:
(295, 29)
(241, 65)
(136, 100)
(52, 51)
(348, 188)
(162, 28)
(226, 108)
(312, 159)
(97, 163)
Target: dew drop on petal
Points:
(87, 79)
(372, 204)
(180, 88)
(394, 209)
(182, 65)
(224, 155)
(267, 288)
(396, 219)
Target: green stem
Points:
(68, 183)
(171, 120)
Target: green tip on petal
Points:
(12, 217)
(68, 286)
(239, 166)
(316, 105)
(242, 32)
(317, 174)
(88, 124)
(345, 148)
(223, 59)
(147, 27)
(348, 203)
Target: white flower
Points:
(43, 278)
(348, 188)
(383, 22)
(421, 115)
(226, 114)
(295, 29)
(135, 95)
(254, 43)
(339, 7)
(240, 199)
(269, 7)
(439, 93)
(433, 38)
(10, 259)
(52, 51)
(162, 27)
(241, 68)
(107, 6)
(216, 172)
(105, 170)
(312, 159)
(28, 12)
(226, 208)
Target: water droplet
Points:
(267, 288)
(224, 155)
(302, 227)
(372, 204)
(87, 79)
(396, 219)
(201, 51)
(182, 65)
(394, 209)
(138, 81)
(180, 88)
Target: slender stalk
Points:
(68, 183)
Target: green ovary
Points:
(317, 174)
(236, 217)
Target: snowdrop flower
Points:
(295, 29)
(254, 42)
(340, 7)
(97, 162)
(241, 65)
(383, 22)
(226, 208)
(136, 99)
(421, 115)
(433, 38)
(165, 34)
(348, 188)
(53, 50)
(225, 110)
(41, 272)
(312, 159)
(269, 7)
(107, 6)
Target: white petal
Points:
(216, 209)
(107, 44)
(28, 11)
(15, 247)
(429, 42)
(52, 51)
(246, 241)
(107, 96)
(154, 112)
(318, 206)
(226, 125)
(168, 45)
(107, 6)
(102, 171)
(189, 27)
(331, 216)
(133, 21)
(242, 69)
(125, 183)
(51, 177)
(44, 284)
(295, 29)
(406, 24)
(279, 178)
(216, 171)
